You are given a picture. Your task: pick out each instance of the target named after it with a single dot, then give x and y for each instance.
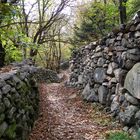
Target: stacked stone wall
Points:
(19, 100)
(100, 69)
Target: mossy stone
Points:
(11, 132)
(2, 117)
(2, 107)
(24, 89)
(3, 128)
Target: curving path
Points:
(64, 116)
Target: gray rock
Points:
(132, 81)
(64, 65)
(124, 104)
(13, 91)
(92, 64)
(111, 41)
(137, 115)
(137, 34)
(132, 28)
(6, 89)
(11, 112)
(125, 129)
(128, 116)
(80, 79)
(99, 75)
(98, 49)
(138, 27)
(102, 93)
(135, 51)
(2, 117)
(119, 38)
(106, 84)
(2, 83)
(110, 69)
(92, 97)
(101, 62)
(7, 76)
(112, 97)
(2, 107)
(3, 128)
(23, 75)
(113, 81)
(124, 55)
(131, 99)
(106, 50)
(133, 54)
(16, 80)
(132, 131)
(105, 66)
(117, 74)
(98, 54)
(120, 49)
(129, 64)
(118, 43)
(121, 98)
(115, 107)
(88, 94)
(7, 102)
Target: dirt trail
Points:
(64, 116)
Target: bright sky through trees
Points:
(68, 10)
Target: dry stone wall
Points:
(18, 102)
(100, 69)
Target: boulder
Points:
(129, 64)
(98, 49)
(89, 94)
(64, 65)
(133, 54)
(117, 73)
(110, 69)
(115, 107)
(128, 116)
(101, 62)
(138, 27)
(137, 115)
(3, 128)
(102, 93)
(137, 34)
(132, 81)
(131, 99)
(2, 83)
(99, 75)
(6, 89)
(80, 79)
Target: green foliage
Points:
(12, 54)
(99, 18)
(14, 42)
(10, 132)
(119, 136)
(7, 13)
(66, 52)
(132, 7)
(96, 21)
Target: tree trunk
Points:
(122, 9)
(2, 55)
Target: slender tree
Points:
(122, 9)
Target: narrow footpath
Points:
(64, 116)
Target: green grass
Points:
(119, 136)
